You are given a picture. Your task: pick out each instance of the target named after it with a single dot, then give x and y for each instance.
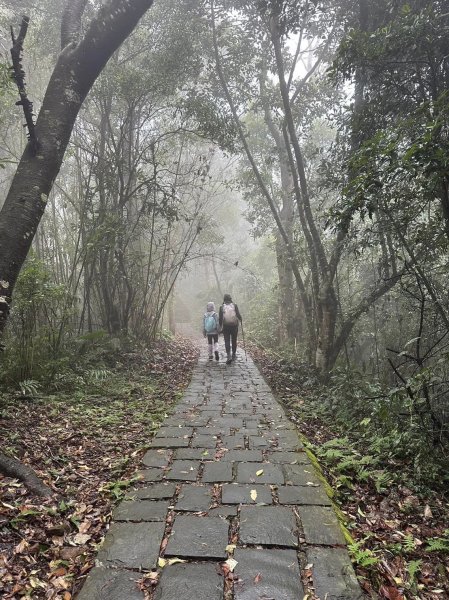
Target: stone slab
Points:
(246, 473)
(215, 472)
(300, 475)
(151, 474)
(194, 498)
(290, 458)
(187, 420)
(212, 430)
(111, 584)
(293, 494)
(268, 526)
(320, 525)
(156, 458)
(169, 442)
(198, 537)
(174, 432)
(256, 441)
(234, 442)
(223, 511)
(158, 491)
(136, 510)
(270, 574)
(204, 441)
(240, 493)
(333, 575)
(287, 437)
(132, 545)
(251, 431)
(191, 454)
(242, 456)
(183, 470)
(199, 581)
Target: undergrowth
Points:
(389, 475)
(85, 436)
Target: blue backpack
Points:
(210, 325)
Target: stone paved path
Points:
(227, 468)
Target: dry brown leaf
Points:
(21, 547)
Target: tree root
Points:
(14, 468)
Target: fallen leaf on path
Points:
(231, 563)
(174, 561)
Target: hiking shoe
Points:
(217, 357)
(229, 361)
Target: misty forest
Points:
(156, 157)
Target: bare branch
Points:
(19, 77)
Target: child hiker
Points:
(210, 329)
(229, 323)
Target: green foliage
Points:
(350, 465)
(29, 387)
(118, 489)
(263, 319)
(33, 332)
(439, 544)
(377, 414)
(413, 567)
(42, 352)
(362, 556)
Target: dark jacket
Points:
(237, 312)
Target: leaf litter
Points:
(87, 446)
(400, 537)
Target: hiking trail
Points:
(226, 477)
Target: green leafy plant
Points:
(439, 544)
(29, 387)
(362, 556)
(413, 567)
(117, 489)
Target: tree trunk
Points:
(76, 70)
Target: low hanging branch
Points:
(18, 75)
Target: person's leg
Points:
(217, 356)
(227, 341)
(209, 344)
(234, 334)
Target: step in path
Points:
(225, 477)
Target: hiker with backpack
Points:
(229, 317)
(210, 330)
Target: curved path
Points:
(226, 478)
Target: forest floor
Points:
(400, 529)
(87, 445)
